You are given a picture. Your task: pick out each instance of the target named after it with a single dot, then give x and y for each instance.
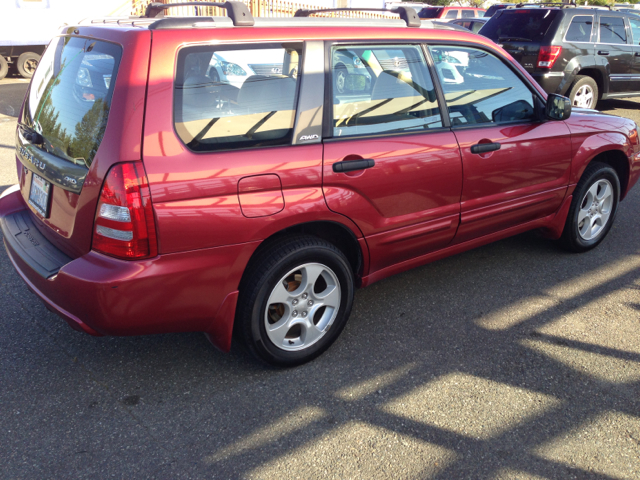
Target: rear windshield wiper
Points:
(30, 135)
(513, 39)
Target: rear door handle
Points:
(603, 52)
(353, 165)
(485, 147)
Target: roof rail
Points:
(552, 4)
(237, 11)
(408, 14)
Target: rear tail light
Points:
(548, 56)
(124, 224)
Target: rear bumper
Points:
(100, 295)
(554, 82)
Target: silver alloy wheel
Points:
(584, 97)
(302, 307)
(30, 66)
(595, 209)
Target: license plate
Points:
(39, 195)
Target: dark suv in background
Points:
(583, 53)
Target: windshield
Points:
(430, 12)
(70, 95)
(519, 25)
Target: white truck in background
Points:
(27, 26)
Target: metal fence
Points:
(258, 8)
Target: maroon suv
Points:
(232, 175)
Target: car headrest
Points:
(266, 93)
(198, 91)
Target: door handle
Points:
(352, 165)
(603, 52)
(485, 147)
(637, 54)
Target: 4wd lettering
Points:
(308, 137)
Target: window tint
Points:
(476, 26)
(236, 98)
(381, 89)
(528, 23)
(451, 14)
(635, 30)
(479, 88)
(580, 29)
(612, 30)
(70, 96)
(467, 13)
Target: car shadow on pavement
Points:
(502, 362)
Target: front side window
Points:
(382, 89)
(227, 98)
(580, 29)
(635, 30)
(479, 88)
(467, 13)
(612, 30)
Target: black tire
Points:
(587, 83)
(27, 63)
(254, 313)
(4, 67)
(595, 176)
(340, 79)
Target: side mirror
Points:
(558, 107)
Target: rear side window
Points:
(227, 98)
(382, 89)
(451, 14)
(70, 95)
(612, 30)
(479, 88)
(522, 24)
(467, 13)
(580, 29)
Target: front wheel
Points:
(294, 301)
(593, 208)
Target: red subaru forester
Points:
(239, 176)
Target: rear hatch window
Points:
(68, 104)
(430, 12)
(519, 25)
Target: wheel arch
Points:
(617, 160)
(333, 232)
(598, 77)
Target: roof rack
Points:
(408, 14)
(237, 11)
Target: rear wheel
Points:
(584, 92)
(295, 301)
(4, 67)
(593, 208)
(27, 64)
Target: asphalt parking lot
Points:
(515, 360)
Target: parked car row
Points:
(588, 54)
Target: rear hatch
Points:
(59, 136)
(521, 32)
